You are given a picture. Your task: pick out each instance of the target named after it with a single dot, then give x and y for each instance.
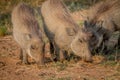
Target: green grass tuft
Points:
(3, 30)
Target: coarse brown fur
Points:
(62, 30)
(27, 34)
(96, 11)
(104, 15)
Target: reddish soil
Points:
(11, 67)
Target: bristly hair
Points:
(99, 9)
(62, 12)
(26, 16)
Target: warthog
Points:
(104, 19)
(27, 34)
(63, 32)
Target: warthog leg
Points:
(24, 56)
(21, 55)
(63, 55)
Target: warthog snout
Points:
(36, 51)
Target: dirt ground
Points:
(11, 67)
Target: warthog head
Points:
(97, 33)
(86, 40)
(35, 48)
(80, 46)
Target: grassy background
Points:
(6, 7)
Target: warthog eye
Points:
(92, 36)
(33, 47)
(80, 40)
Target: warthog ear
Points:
(70, 31)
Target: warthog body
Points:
(105, 17)
(63, 32)
(27, 34)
